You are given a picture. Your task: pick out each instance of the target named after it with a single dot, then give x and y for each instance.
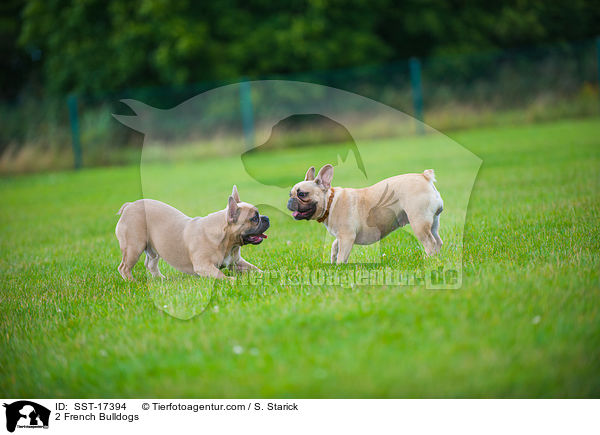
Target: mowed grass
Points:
(526, 322)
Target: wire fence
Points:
(446, 92)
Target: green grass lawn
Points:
(526, 322)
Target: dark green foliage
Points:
(15, 63)
(98, 46)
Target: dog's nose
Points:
(292, 204)
(265, 221)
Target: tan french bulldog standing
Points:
(199, 246)
(365, 216)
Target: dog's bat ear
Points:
(310, 174)
(325, 176)
(233, 211)
(235, 194)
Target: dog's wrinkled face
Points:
(244, 221)
(308, 198)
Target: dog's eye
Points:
(301, 194)
(254, 218)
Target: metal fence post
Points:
(417, 92)
(74, 120)
(598, 62)
(247, 113)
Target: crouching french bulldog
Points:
(198, 246)
(365, 216)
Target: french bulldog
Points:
(365, 216)
(198, 246)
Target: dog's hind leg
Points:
(132, 240)
(422, 229)
(151, 262)
(131, 255)
(423, 233)
(434, 231)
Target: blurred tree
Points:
(15, 62)
(97, 46)
(430, 27)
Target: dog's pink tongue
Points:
(296, 213)
(264, 236)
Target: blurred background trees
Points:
(99, 46)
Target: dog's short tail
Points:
(429, 175)
(123, 208)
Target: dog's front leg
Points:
(334, 251)
(242, 265)
(203, 266)
(209, 271)
(345, 243)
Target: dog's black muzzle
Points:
(259, 235)
(264, 223)
(292, 204)
(301, 211)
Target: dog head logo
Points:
(26, 414)
(299, 131)
(366, 141)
